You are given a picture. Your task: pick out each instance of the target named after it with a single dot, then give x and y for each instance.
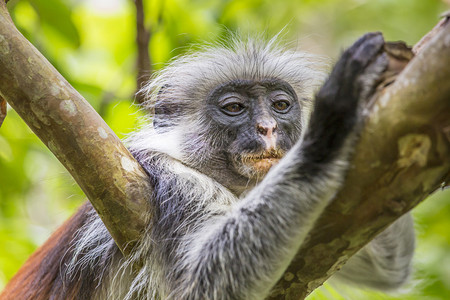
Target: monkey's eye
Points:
(281, 106)
(233, 109)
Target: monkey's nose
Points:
(266, 129)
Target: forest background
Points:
(92, 44)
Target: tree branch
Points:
(403, 155)
(109, 176)
(3, 110)
(143, 59)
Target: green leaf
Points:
(58, 15)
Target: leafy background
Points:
(92, 43)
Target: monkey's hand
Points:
(338, 103)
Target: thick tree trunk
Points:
(403, 154)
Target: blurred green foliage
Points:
(92, 43)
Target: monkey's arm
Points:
(242, 253)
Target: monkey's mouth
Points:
(261, 163)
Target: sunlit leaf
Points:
(57, 14)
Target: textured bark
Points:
(109, 176)
(403, 156)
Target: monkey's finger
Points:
(368, 50)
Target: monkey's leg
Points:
(385, 263)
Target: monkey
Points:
(242, 159)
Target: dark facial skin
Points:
(258, 123)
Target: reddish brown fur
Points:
(40, 277)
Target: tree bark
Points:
(110, 177)
(403, 154)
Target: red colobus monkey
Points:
(242, 161)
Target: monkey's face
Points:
(257, 121)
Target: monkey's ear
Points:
(165, 109)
